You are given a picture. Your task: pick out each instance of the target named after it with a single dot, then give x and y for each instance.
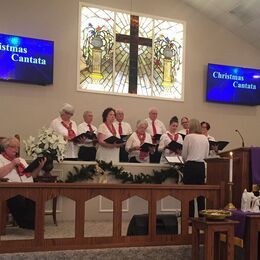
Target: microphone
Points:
(243, 143)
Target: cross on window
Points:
(134, 41)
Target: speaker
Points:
(165, 224)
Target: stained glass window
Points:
(129, 54)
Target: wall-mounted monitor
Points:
(233, 85)
(26, 60)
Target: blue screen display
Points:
(26, 60)
(234, 85)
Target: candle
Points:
(231, 167)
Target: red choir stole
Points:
(173, 138)
(19, 167)
(154, 132)
(71, 133)
(112, 129)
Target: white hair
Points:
(141, 122)
(6, 141)
(67, 108)
(153, 109)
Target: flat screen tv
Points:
(233, 85)
(26, 60)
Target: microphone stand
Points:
(243, 143)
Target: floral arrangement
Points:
(48, 143)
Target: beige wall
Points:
(25, 108)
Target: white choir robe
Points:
(164, 141)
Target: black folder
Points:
(88, 135)
(113, 140)
(124, 137)
(33, 165)
(146, 146)
(157, 137)
(182, 135)
(220, 144)
(174, 146)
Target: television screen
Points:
(234, 85)
(26, 60)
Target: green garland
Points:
(90, 171)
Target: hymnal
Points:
(220, 144)
(145, 147)
(174, 159)
(87, 135)
(113, 140)
(174, 146)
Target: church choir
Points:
(128, 148)
(114, 140)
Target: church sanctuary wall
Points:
(26, 108)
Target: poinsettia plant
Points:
(48, 144)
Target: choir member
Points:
(168, 137)
(185, 126)
(195, 149)
(66, 127)
(106, 151)
(11, 168)
(155, 128)
(205, 126)
(87, 150)
(139, 137)
(124, 129)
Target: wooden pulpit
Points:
(218, 170)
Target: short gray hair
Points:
(153, 109)
(6, 142)
(86, 112)
(67, 108)
(195, 126)
(141, 122)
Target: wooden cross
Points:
(134, 41)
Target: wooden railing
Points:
(82, 192)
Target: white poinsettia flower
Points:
(47, 140)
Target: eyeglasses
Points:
(13, 146)
(68, 113)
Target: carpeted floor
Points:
(66, 229)
(140, 253)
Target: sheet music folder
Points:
(174, 159)
(145, 147)
(220, 144)
(174, 146)
(88, 135)
(113, 139)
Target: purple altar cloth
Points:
(255, 163)
(240, 228)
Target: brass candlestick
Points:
(230, 205)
